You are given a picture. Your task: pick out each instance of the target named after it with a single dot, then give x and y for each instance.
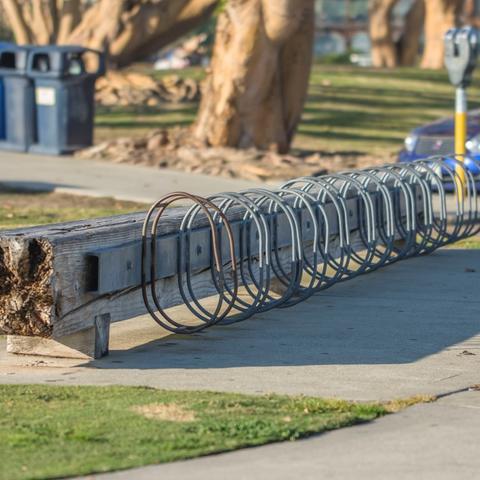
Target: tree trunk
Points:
(100, 24)
(150, 29)
(410, 41)
(470, 11)
(69, 17)
(471, 14)
(42, 30)
(440, 15)
(256, 88)
(384, 53)
(17, 21)
(127, 30)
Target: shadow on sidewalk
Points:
(398, 314)
(22, 186)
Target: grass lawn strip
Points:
(50, 431)
(23, 209)
(471, 243)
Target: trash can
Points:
(64, 88)
(17, 93)
(2, 99)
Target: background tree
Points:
(387, 51)
(256, 88)
(127, 29)
(384, 52)
(471, 13)
(440, 15)
(409, 43)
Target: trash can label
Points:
(45, 96)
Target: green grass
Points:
(371, 110)
(130, 121)
(472, 243)
(50, 432)
(349, 109)
(22, 209)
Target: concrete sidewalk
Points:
(106, 179)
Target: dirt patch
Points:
(177, 149)
(165, 411)
(398, 405)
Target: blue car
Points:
(437, 138)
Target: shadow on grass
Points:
(371, 101)
(132, 124)
(187, 108)
(407, 74)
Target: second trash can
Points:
(2, 99)
(16, 97)
(64, 97)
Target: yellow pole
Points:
(460, 138)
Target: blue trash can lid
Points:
(13, 58)
(58, 61)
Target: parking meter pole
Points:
(460, 136)
(461, 51)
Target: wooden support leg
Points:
(86, 344)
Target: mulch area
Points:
(175, 149)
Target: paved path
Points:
(88, 177)
(436, 441)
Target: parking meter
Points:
(461, 51)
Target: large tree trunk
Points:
(17, 21)
(440, 15)
(410, 41)
(256, 88)
(384, 52)
(127, 30)
(69, 18)
(471, 13)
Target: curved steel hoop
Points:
(275, 248)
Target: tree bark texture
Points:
(384, 52)
(410, 41)
(440, 15)
(127, 30)
(256, 88)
